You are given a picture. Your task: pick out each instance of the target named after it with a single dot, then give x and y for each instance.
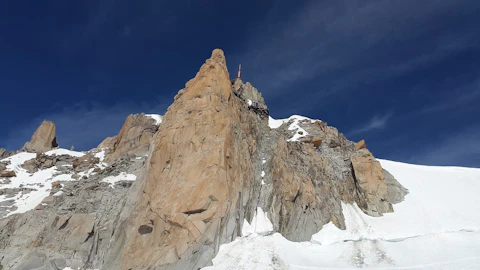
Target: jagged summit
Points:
(166, 192)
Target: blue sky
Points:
(403, 75)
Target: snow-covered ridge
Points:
(436, 227)
(300, 132)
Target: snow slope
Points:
(38, 183)
(436, 227)
(34, 187)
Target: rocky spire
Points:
(43, 139)
(191, 189)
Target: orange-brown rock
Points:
(317, 141)
(360, 145)
(56, 184)
(133, 139)
(370, 181)
(190, 202)
(43, 139)
(8, 174)
(108, 143)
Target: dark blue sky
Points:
(404, 75)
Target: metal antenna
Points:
(239, 74)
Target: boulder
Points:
(56, 184)
(8, 174)
(43, 139)
(360, 145)
(317, 141)
(85, 162)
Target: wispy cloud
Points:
(83, 125)
(346, 43)
(377, 122)
(458, 97)
(461, 148)
(109, 22)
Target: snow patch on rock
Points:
(61, 151)
(123, 176)
(157, 117)
(300, 132)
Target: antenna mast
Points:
(239, 74)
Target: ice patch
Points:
(157, 117)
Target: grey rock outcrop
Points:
(42, 161)
(73, 229)
(4, 153)
(43, 139)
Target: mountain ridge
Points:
(168, 195)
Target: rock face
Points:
(217, 153)
(211, 164)
(360, 145)
(71, 228)
(133, 139)
(43, 139)
(378, 194)
(196, 157)
(4, 153)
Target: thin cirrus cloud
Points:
(461, 148)
(377, 122)
(457, 98)
(342, 43)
